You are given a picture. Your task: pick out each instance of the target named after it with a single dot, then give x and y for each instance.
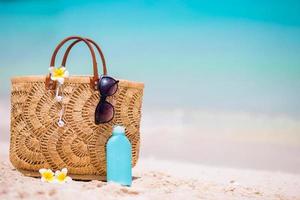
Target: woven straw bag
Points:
(38, 142)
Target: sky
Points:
(236, 56)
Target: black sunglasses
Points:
(105, 111)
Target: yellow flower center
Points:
(58, 72)
(48, 176)
(61, 177)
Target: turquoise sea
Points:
(222, 78)
(232, 56)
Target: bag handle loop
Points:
(65, 57)
(93, 81)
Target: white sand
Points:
(195, 140)
(155, 179)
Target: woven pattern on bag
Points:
(38, 142)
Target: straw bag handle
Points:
(93, 81)
(63, 63)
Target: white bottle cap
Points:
(118, 129)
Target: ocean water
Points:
(233, 56)
(220, 76)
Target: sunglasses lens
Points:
(107, 86)
(104, 112)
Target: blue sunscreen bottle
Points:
(118, 157)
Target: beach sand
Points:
(187, 154)
(158, 179)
